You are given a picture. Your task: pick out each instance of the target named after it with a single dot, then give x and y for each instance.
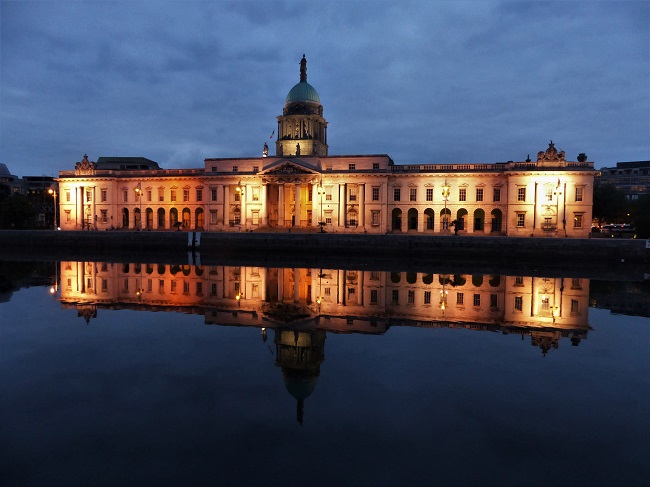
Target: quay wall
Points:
(380, 252)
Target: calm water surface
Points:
(115, 381)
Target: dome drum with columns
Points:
(302, 130)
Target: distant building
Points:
(303, 186)
(632, 178)
(9, 183)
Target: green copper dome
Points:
(303, 91)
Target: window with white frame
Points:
(496, 194)
(375, 193)
(429, 194)
(521, 220)
(462, 194)
(577, 220)
(549, 193)
(213, 194)
(519, 303)
(579, 191)
(479, 194)
(375, 218)
(103, 194)
(352, 193)
(213, 217)
(396, 194)
(521, 194)
(413, 194)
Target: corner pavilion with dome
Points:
(303, 187)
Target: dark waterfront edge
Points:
(468, 254)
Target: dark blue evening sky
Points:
(422, 81)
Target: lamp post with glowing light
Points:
(240, 192)
(238, 298)
(445, 196)
(53, 193)
(138, 192)
(321, 192)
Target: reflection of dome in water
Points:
(299, 383)
(299, 354)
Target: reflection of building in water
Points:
(301, 305)
(337, 300)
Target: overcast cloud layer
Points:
(424, 81)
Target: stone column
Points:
(296, 285)
(281, 205)
(315, 215)
(226, 205)
(341, 205)
(298, 206)
(265, 209)
(362, 206)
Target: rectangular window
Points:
(496, 194)
(213, 194)
(161, 194)
(67, 196)
(256, 193)
(199, 195)
(493, 301)
(186, 195)
(413, 194)
(352, 193)
(479, 194)
(351, 167)
(256, 217)
(411, 296)
(173, 195)
(460, 299)
(255, 290)
(235, 169)
(125, 195)
(214, 168)
(427, 297)
(462, 194)
(103, 195)
(375, 165)
(104, 216)
(328, 193)
(161, 286)
(328, 291)
(126, 284)
(104, 285)
(374, 296)
(328, 217)
(521, 218)
(579, 193)
(186, 287)
(577, 220)
(545, 303)
(477, 300)
(575, 283)
(89, 196)
(213, 289)
(519, 281)
(575, 306)
(519, 303)
(375, 194)
(396, 194)
(256, 168)
(236, 195)
(395, 296)
(521, 194)
(549, 193)
(375, 218)
(199, 289)
(67, 216)
(213, 217)
(429, 194)
(173, 289)
(149, 285)
(149, 195)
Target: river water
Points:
(141, 374)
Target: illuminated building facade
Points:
(303, 186)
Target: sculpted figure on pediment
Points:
(85, 166)
(551, 154)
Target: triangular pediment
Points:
(285, 167)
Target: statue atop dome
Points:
(303, 69)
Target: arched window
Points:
(413, 219)
(428, 219)
(397, 219)
(125, 218)
(187, 220)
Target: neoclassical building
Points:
(303, 186)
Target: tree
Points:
(17, 212)
(641, 216)
(610, 205)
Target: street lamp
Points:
(238, 298)
(321, 192)
(53, 193)
(445, 195)
(138, 192)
